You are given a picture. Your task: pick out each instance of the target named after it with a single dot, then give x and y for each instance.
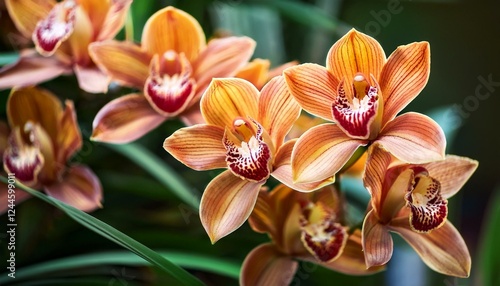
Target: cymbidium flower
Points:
(362, 92)
(173, 66)
(302, 226)
(411, 200)
(44, 136)
(258, 72)
(62, 32)
(244, 132)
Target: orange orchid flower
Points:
(173, 67)
(362, 92)
(245, 133)
(62, 32)
(411, 200)
(304, 226)
(43, 138)
(258, 72)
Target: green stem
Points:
(161, 171)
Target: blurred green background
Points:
(465, 53)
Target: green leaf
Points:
(161, 171)
(64, 265)
(489, 253)
(8, 58)
(116, 236)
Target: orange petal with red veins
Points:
(22, 159)
(403, 77)
(227, 99)
(31, 69)
(79, 188)
(36, 105)
(169, 87)
(69, 139)
(125, 119)
(199, 147)
(374, 175)
(256, 72)
(355, 53)
(114, 20)
(428, 208)
(314, 88)
(443, 249)
(452, 173)
(173, 29)
(222, 58)
(321, 152)
(377, 242)
(226, 204)
(282, 170)
(265, 265)
(278, 110)
(91, 79)
(55, 28)
(26, 13)
(125, 62)
(413, 138)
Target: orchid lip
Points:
(358, 115)
(170, 87)
(248, 155)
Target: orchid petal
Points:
(26, 13)
(36, 105)
(125, 62)
(199, 147)
(314, 88)
(262, 219)
(355, 53)
(255, 72)
(91, 79)
(221, 58)
(413, 138)
(227, 99)
(125, 119)
(321, 152)
(443, 249)
(374, 175)
(452, 173)
(31, 69)
(278, 110)
(265, 265)
(377, 242)
(69, 138)
(114, 20)
(173, 29)
(226, 204)
(80, 38)
(79, 188)
(403, 77)
(352, 261)
(277, 71)
(96, 11)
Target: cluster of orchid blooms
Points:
(245, 118)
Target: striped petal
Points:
(226, 204)
(377, 242)
(278, 110)
(69, 138)
(355, 53)
(114, 19)
(452, 173)
(79, 188)
(228, 99)
(125, 62)
(265, 265)
(321, 152)
(173, 29)
(256, 72)
(314, 88)
(374, 175)
(125, 119)
(26, 13)
(413, 138)
(221, 58)
(403, 77)
(436, 249)
(199, 147)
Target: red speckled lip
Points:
(21, 159)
